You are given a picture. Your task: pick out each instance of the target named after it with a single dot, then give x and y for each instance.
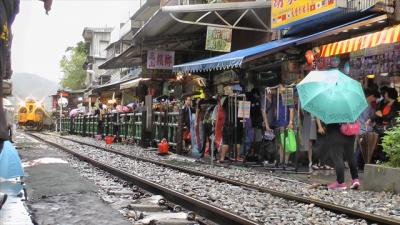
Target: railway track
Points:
(372, 218)
(201, 208)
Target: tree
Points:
(72, 66)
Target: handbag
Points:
(289, 142)
(269, 135)
(186, 134)
(351, 129)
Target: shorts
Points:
(228, 136)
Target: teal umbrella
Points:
(332, 96)
(10, 163)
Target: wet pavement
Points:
(56, 193)
(14, 211)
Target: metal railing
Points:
(126, 126)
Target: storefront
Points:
(373, 58)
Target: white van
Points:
(9, 113)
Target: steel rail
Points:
(373, 218)
(186, 170)
(206, 210)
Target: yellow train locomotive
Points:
(31, 114)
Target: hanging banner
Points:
(219, 39)
(285, 13)
(244, 109)
(163, 60)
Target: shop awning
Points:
(237, 58)
(386, 36)
(233, 59)
(132, 83)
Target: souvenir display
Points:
(378, 60)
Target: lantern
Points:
(310, 57)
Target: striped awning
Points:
(386, 36)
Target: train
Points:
(31, 114)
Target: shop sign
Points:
(285, 13)
(387, 36)
(244, 109)
(219, 39)
(163, 60)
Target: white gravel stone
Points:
(255, 205)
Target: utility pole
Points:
(61, 109)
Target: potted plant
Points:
(384, 176)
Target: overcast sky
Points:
(40, 40)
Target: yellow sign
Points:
(286, 12)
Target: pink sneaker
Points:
(337, 186)
(355, 184)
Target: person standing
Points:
(258, 119)
(284, 120)
(186, 120)
(207, 107)
(385, 118)
(341, 148)
(366, 120)
(99, 112)
(309, 136)
(389, 110)
(232, 131)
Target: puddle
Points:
(45, 160)
(9, 187)
(162, 216)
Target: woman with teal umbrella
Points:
(335, 99)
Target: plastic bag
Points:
(290, 144)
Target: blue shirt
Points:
(275, 118)
(367, 114)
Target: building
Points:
(174, 32)
(97, 40)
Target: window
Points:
(102, 50)
(118, 48)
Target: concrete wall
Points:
(380, 178)
(99, 43)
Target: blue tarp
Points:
(236, 58)
(10, 163)
(233, 59)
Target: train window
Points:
(22, 110)
(30, 108)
